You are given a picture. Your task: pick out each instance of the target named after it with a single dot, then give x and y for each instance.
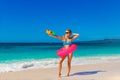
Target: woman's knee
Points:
(69, 61)
(60, 62)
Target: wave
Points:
(53, 62)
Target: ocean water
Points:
(14, 57)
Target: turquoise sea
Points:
(22, 56)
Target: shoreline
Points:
(53, 63)
(98, 71)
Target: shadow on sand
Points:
(87, 72)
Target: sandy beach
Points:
(99, 71)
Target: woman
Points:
(67, 39)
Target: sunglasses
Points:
(67, 32)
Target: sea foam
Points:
(53, 62)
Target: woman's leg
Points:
(60, 65)
(69, 63)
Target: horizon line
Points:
(61, 42)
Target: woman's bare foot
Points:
(59, 75)
(68, 75)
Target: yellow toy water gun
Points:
(49, 32)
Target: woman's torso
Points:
(66, 42)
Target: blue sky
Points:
(27, 20)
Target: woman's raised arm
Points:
(58, 37)
(75, 36)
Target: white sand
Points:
(99, 71)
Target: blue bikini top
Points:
(67, 42)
